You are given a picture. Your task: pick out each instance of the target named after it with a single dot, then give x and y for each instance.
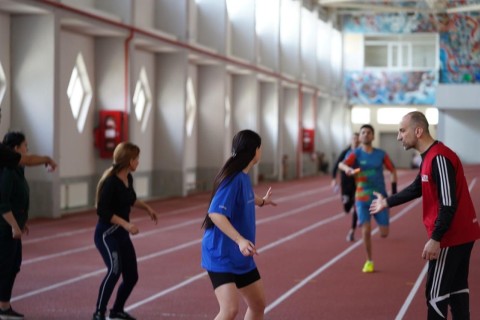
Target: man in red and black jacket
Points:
(448, 216)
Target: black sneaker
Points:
(98, 316)
(10, 314)
(120, 315)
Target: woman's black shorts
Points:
(240, 280)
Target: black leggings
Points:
(10, 262)
(447, 283)
(114, 244)
(348, 201)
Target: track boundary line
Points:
(263, 249)
(324, 267)
(160, 253)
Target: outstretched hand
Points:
(267, 199)
(378, 204)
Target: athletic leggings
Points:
(447, 283)
(348, 201)
(114, 244)
(10, 262)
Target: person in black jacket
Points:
(115, 197)
(14, 204)
(347, 186)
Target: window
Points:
(142, 99)
(191, 108)
(392, 115)
(360, 115)
(401, 52)
(3, 83)
(79, 92)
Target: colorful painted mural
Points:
(460, 49)
(395, 88)
(459, 38)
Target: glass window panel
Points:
(423, 55)
(405, 55)
(376, 56)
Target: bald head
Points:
(416, 119)
(414, 133)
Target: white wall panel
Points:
(172, 17)
(5, 62)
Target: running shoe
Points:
(368, 267)
(10, 314)
(98, 316)
(120, 315)
(351, 236)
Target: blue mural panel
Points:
(389, 23)
(460, 49)
(397, 88)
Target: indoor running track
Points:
(309, 270)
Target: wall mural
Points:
(398, 88)
(459, 38)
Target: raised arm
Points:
(35, 160)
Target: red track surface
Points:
(309, 270)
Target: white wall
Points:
(169, 137)
(38, 48)
(33, 102)
(455, 96)
(269, 129)
(460, 131)
(242, 30)
(72, 163)
(245, 103)
(323, 134)
(290, 129)
(172, 17)
(211, 24)
(290, 37)
(268, 35)
(5, 62)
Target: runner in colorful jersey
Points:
(369, 163)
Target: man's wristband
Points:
(394, 187)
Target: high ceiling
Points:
(408, 6)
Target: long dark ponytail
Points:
(244, 147)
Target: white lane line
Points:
(169, 213)
(264, 248)
(412, 293)
(324, 267)
(90, 229)
(56, 255)
(421, 276)
(154, 255)
(100, 271)
(172, 227)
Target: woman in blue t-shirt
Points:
(228, 243)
